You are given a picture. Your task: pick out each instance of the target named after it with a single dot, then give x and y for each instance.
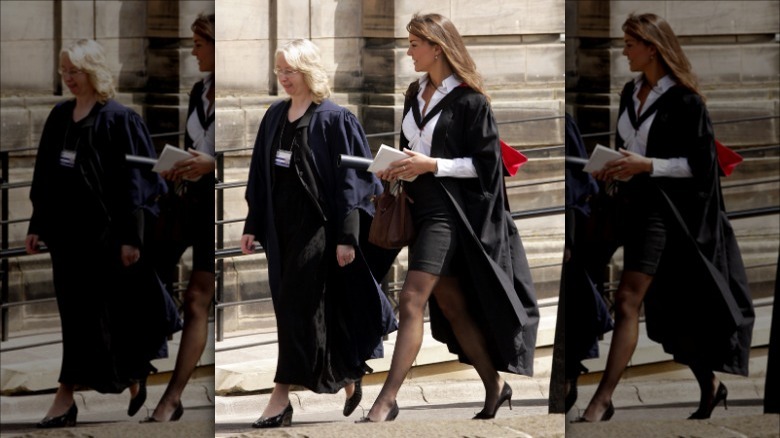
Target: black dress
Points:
(587, 316)
(330, 320)
(114, 319)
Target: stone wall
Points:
(517, 47)
(148, 48)
(734, 48)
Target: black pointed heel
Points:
(606, 416)
(352, 403)
(139, 399)
(282, 420)
(506, 395)
(705, 412)
(68, 419)
(390, 415)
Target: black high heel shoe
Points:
(68, 419)
(606, 416)
(390, 415)
(704, 412)
(351, 403)
(506, 395)
(139, 399)
(177, 413)
(284, 419)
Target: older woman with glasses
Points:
(89, 206)
(311, 217)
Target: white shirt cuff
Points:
(456, 168)
(671, 167)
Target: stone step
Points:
(29, 366)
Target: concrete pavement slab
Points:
(104, 415)
(655, 401)
(748, 426)
(537, 426)
(423, 399)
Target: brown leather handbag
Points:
(392, 226)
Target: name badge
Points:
(68, 158)
(283, 158)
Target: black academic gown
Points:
(587, 316)
(114, 319)
(698, 306)
(496, 279)
(328, 332)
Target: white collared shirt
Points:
(420, 140)
(203, 139)
(635, 140)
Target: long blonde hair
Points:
(89, 57)
(304, 56)
(439, 30)
(654, 31)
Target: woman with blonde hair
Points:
(467, 261)
(192, 184)
(312, 218)
(681, 258)
(89, 206)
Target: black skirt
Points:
(435, 245)
(644, 227)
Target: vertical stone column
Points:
(166, 99)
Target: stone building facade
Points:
(148, 48)
(518, 47)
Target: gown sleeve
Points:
(353, 188)
(42, 172)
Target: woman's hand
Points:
(345, 254)
(408, 168)
(191, 168)
(624, 168)
(32, 244)
(248, 244)
(130, 255)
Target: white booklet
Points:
(601, 155)
(171, 155)
(384, 156)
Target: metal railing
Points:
(223, 253)
(5, 251)
(220, 187)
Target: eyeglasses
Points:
(285, 72)
(72, 72)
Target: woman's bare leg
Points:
(414, 295)
(452, 302)
(197, 301)
(63, 400)
(708, 385)
(280, 398)
(628, 301)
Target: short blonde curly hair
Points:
(89, 57)
(304, 56)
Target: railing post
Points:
(219, 312)
(4, 298)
